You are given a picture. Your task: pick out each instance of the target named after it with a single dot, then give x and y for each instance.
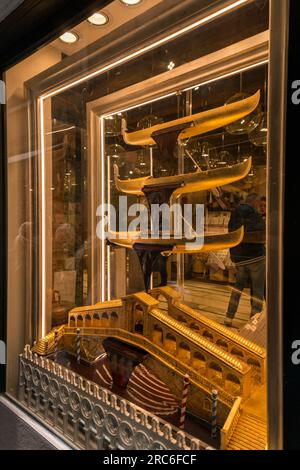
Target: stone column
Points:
(65, 421)
(29, 389)
(87, 434)
(75, 429)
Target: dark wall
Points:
(291, 310)
(3, 245)
(36, 22)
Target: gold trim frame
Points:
(118, 45)
(278, 77)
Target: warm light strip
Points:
(43, 203)
(103, 244)
(125, 59)
(61, 130)
(108, 251)
(108, 273)
(148, 48)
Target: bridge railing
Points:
(231, 423)
(104, 414)
(220, 330)
(245, 350)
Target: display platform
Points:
(68, 376)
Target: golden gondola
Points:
(197, 124)
(188, 183)
(211, 242)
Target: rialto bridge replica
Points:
(172, 340)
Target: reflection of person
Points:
(63, 246)
(249, 256)
(65, 238)
(20, 274)
(263, 207)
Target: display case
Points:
(121, 336)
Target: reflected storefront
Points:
(165, 102)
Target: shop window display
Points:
(126, 324)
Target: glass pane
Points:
(211, 277)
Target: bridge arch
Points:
(157, 335)
(114, 319)
(181, 319)
(215, 372)
(232, 384)
(195, 327)
(96, 320)
(222, 344)
(237, 352)
(198, 361)
(80, 321)
(208, 335)
(184, 352)
(72, 322)
(170, 343)
(254, 363)
(88, 321)
(138, 318)
(138, 311)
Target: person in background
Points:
(263, 211)
(248, 257)
(263, 207)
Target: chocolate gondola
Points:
(132, 240)
(195, 124)
(148, 250)
(187, 183)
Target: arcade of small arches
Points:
(199, 326)
(221, 343)
(106, 319)
(199, 361)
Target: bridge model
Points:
(175, 340)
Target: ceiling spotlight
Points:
(171, 65)
(69, 37)
(131, 2)
(98, 19)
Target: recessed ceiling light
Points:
(69, 37)
(131, 2)
(98, 19)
